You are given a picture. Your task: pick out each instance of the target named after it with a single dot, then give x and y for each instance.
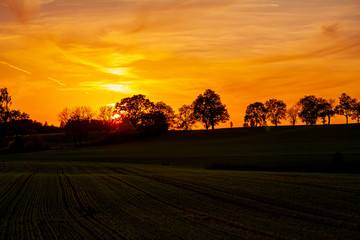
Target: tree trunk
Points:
(328, 120)
(346, 119)
(212, 126)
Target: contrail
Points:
(14, 67)
(57, 81)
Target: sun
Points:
(116, 116)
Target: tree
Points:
(276, 110)
(293, 113)
(5, 103)
(186, 118)
(134, 107)
(355, 114)
(209, 109)
(325, 109)
(11, 121)
(308, 109)
(168, 112)
(153, 123)
(76, 121)
(255, 115)
(106, 115)
(345, 106)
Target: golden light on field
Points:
(56, 54)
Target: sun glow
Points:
(117, 88)
(116, 116)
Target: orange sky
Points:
(64, 53)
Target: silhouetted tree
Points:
(345, 106)
(255, 115)
(293, 113)
(209, 109)
(76, 121)
(5, 103)
(134, 107)
(12, 122)
(325, 109)
(185, 118)
(308, 109)
(106, 115)
(355, 114)
(153, 123)
(276, 110)
(167, 111)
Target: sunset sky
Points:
(65, 53)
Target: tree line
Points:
(149, 118)
(308, 109)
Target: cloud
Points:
(24, 10)
(330, 30)
(57, 81)
(344, 47)
(14, 67)
(100, 86)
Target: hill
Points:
(299, 148)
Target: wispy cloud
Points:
(57, 81)
(14, 67)
(101, 86)
(24, 10)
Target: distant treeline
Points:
(138, 113)
(308, 109)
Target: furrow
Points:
(72, 212)
(83, 203)
(14, 204)
(267, 206)
(200, 215)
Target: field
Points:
(128, 191)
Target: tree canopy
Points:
(209, 109)
(255, 115)
(275, 110)
(134, 107)
(308, 109)
(345, 106)
(185, 118)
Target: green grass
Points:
(123, 192)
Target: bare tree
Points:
(106, 115)
(64, 117)
(76, 121)
(293, 113)
(185, 118)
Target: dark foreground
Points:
(127, 201)
(163, 188)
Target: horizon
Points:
(57, 54)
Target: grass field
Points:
(124, 192)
